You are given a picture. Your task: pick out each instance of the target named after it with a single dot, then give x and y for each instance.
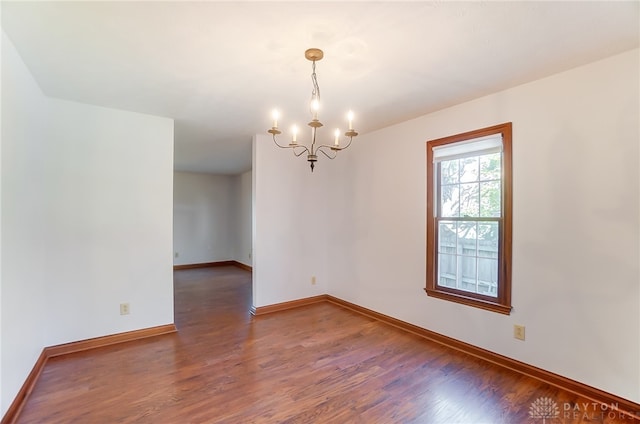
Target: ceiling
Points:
(218, 68)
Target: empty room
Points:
(320, 212)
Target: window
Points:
(469, 218)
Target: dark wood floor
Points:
(315, 364)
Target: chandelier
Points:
(312, 150)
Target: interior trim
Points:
(79, 346)
(276, 307)
(203, 265)
(19, 401)
(213, 264)
(16, 406)
(243, 266)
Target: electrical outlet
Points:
(518, 332)
(124, 309)
(249, 255)
(313, 280)
(175, 255)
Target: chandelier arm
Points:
(278, 144)
(304, 149)
(348, 144)
(321, 150)
(334, 148)
(329, 146)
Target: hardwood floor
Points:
(316, 364)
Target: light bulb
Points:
(275, 115)
(294, 132)
(350, 118)
(337, 134)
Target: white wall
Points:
(212, 218)
(290, 224)
(86, 194)
(244, 222)
(204, 217)
(576, 225)
(24, 112)
(1, 41)
(108, 218)
(1, 85)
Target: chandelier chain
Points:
(315, 93)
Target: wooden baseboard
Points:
(243, 266)
(19, 401)
(203, 265)
(262, 310)
(626, 406)
(13, 412)
(213, 264)
(79, 346)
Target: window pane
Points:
(447, 237)
(467, 237)
(470, 199)
(449, 171)
(447, 275)
(490, 168)
(488, 277)
(450, 200)
(490, 199)
(468, 270)
(469, 169)
(467, 258)
(488, 237)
